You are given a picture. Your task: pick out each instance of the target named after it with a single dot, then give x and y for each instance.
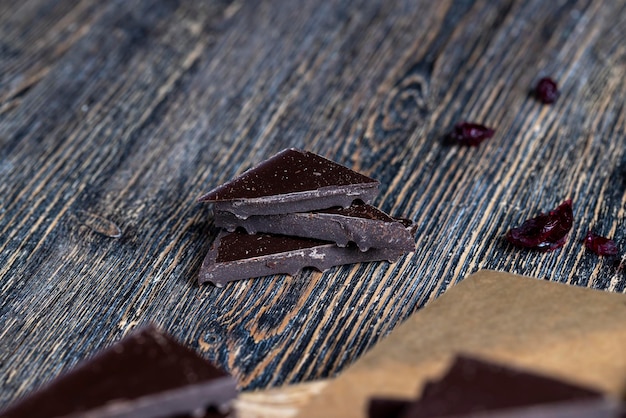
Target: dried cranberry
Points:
(600, 245)
(472, 134)
(545, 232)
(547, 91)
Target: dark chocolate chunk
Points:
(387, 408)
(292, 181)
(362, 224)
(473, 386)
(596, 408)
(479, 389)
(146, 374)
(238, 255)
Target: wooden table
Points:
(115, 116)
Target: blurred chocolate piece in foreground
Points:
(480, 389)
(145, 375)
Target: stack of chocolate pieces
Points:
(148, 374)
(298, 210)
(475, 388)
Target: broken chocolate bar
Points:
(476, 388)
(362, 224)
(238, 255)
(292, 181)
(147, 374)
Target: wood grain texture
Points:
(115, 116)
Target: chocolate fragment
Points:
(291, 181)
(362, 224)
(146, 374)
(387, 408)
(472, 385)
(477, 388)
(598, 408)
(238, 255)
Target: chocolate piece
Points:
(238, 255)
(473, 387)
(292, 181)
(147, 374)
(479, 389)
(387, 408)
(598, 408)
(360, 223)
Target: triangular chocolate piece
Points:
(481, 389)
(238, 255)
(292, 181)
(472, 386)
(360, 223)
(146, 374)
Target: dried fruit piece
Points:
(547, 91)
(471, 134)
(600, 245)
(545, 232)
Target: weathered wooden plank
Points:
(156, 102)
(34, 35)
(70, 128)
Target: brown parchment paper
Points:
(574, 333)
